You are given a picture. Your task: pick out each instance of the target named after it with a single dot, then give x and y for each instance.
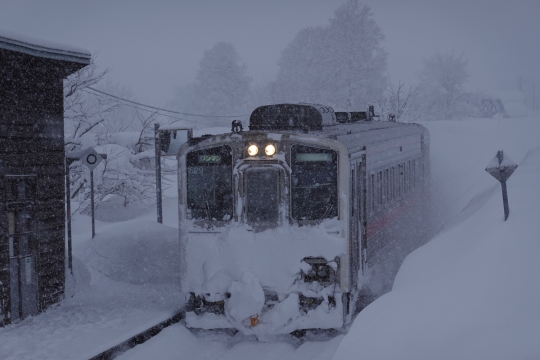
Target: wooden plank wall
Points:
(32, 142)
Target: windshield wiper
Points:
(207, 206)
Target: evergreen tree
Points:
(222, 84)
(442, 79)
(341, 64)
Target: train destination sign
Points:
(307, 157)
(210, 159)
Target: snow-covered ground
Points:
(471, 292)
(124, 282)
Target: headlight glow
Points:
(270, 150)
(253, 150)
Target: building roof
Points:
(43, 48)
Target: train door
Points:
(357, 227)
(262, 195)
(362, 212)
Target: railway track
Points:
(139, 338)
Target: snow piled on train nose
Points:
(246, 300)
(213, 259)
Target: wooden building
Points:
(32, 204)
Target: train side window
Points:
(360, 193)
(391, 185)
(372, 192)
(379, 189)
(400, 189)
(386, 186)
(403, 173)
(393, 182)
(409, 176)
(414, 173)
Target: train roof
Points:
(368, 133)
(354, 129)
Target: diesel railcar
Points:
(285, 226)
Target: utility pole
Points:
(158, 175)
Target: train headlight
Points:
(270, 150)
(253, 150)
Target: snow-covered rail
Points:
(139, 338)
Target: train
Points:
(291, 224)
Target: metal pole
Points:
(505, 200)
(92, 202)
(158, 176)
(500, 156)
(68, 216)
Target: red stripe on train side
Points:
(384, 220)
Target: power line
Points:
(152, 111)
(161, 109)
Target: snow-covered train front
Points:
(270, 238)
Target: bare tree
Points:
(113, 127)
(397, 100)
(84, 111)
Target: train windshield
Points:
(313, 183)
(209, 183)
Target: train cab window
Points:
(313, 183)
(209, 183)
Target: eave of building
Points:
(50, 51)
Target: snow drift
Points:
(470, 293)
(136, 252)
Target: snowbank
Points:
(135, 252)
(470, 293)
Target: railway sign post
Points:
(91, 159)
(501, 168)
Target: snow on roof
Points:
(42, 48)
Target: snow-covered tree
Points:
(341, 64)
(122, 132)
(221, 87)
(442, 79)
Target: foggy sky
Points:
(153, 46)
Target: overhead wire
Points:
(151, 111)
(138, 105)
